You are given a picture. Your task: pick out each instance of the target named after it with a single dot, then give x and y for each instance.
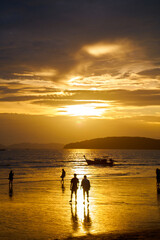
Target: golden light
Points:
(99, 49)
(83, 110)
(41, 73)
(74, 78)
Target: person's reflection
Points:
(74, 218)
(63, 187)
(87, 220)
(158, 196)
(158, 201)
(10, 190)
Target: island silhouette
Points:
(116, 143)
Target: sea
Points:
(123, 198)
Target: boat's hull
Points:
(90, 162)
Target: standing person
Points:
(11, 174)
(63, 175)
(85, 184)
(74, 186)
(158, 176)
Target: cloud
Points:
(6, 90)
(42, 73)
(153, 73)
(148, 119)
(59, 54)
(49, 35)
(18, 98)
(121, 97)
(101, 49)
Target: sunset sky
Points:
(75, 70)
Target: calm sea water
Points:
(122, 198)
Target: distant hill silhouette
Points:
(36, 146)
(2, 147)
(116, 143)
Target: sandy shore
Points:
(145, 235)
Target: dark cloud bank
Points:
(48, 33)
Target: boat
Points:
(105, 161)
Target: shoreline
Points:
(140, 235)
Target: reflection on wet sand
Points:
(158, 196)
(158, 201)
(87, 219)
(158, 190)
(63, 187)
(74, 218)
(10, 190)
(80, 219)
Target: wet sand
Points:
(118, 209)
(124, 203)
(145, 235)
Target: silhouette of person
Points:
(158, 176)
(11, 174)
(74, 186)
(85, 184)
(111, 161)
(63, 175)
(158, 179)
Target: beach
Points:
(146, 235)
(123, 202)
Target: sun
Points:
(82, 110)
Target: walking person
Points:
(85, 184)
(74, 186)
(11, 174)
(63, 175)
(158, 179)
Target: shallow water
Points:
(122, 198)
